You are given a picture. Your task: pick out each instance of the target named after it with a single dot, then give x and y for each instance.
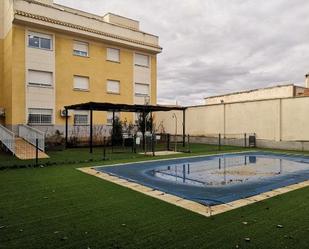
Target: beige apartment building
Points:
(52, 56)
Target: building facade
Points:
(52, 56)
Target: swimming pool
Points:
(213, 180)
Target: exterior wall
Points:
(122, 21)
(277, 120)
(57, 16)
(42, 60)
(284, 91)
(153, 77)
(6, 17)
(98, 70)
(18, 76)
(16, 96)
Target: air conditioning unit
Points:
(2, 112)
(62, 113)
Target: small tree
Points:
(128, 127)
(141, 123)
(116, 132)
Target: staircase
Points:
(24, 145)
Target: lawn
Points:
(60, 207)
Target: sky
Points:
(212, 47)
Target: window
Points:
(141, 60)
(113, 54)
(113, 86)
(80, 119)
(110, 117)
(80, 48)
(141, 89)
(40, 116)
(40, 78)
(42, 41)
(81, 83)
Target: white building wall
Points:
(273, 120)
(284, 91)
(42, 60)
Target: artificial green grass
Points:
(60, 207)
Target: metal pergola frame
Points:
(110, 107)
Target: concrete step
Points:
(26, 151)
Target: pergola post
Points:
(144, 130)
(113, 130)
(184, 127)
(91, 131)
(66, 127)
(151, 125)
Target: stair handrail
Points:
(30, 134)
(7, 138)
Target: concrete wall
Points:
(283, 91)
(284, 122)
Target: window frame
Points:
(81, 89)
(80, 54)
(40, 116)
(119, 55)
(37, 35)
(40, 84)
(139, 65)
(111, 92)
(79, 123)
(117, 114)
(141, 94)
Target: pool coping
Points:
(196, 207)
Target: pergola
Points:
(110, 107)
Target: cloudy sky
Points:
(219, 46)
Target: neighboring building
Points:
(275, 92)
(52, 56)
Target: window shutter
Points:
(141, 89)
(81, 47)
(142, 60)
(113, 54)
(113, 86)
(40, 77)
(81, 83)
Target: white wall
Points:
(277, 120)
(283, 91)
(42, 60)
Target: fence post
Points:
(153, 144)
(245, 140)
(168, 142)
(189, 149)
(36, 152)
(104, 149)
(219, 141)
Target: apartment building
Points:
(52, 56)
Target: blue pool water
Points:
(213, 180)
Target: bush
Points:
(56, 141)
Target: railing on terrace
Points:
(31, 134)
(7, 138)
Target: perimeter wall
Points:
(278, 123)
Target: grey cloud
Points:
(218, 46)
